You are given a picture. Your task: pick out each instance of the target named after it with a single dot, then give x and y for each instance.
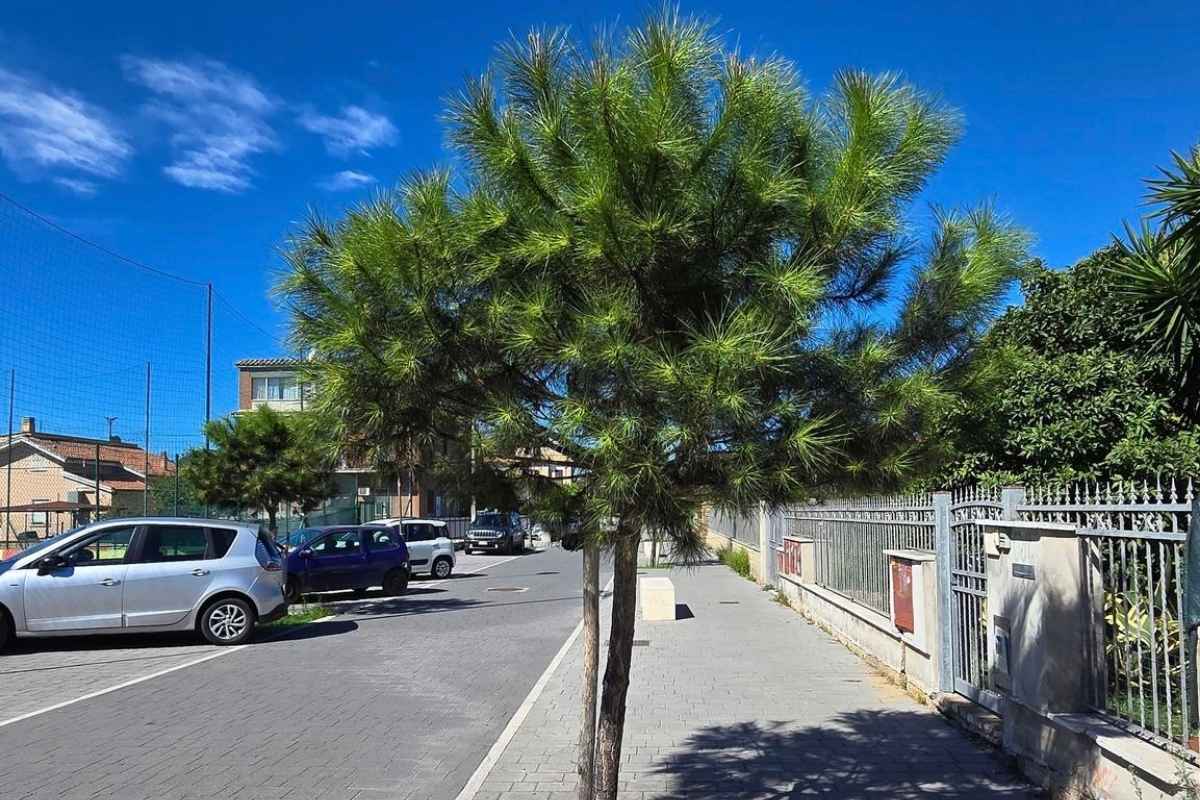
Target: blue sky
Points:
(193, 136)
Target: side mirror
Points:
(50, 563)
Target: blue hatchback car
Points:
(340, 557)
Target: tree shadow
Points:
(860, 754)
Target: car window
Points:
(338, 544)
(492, 520)
(174, 543)
(108, 547)
(383, 539)
(417, 532)
(222, 540)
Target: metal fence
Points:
(1134, 535)
(742, 529)
(1132, 540)
(850, 537)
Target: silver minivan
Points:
(146, 575)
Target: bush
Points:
(736, 559)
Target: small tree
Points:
(669, 264)
(260, 460)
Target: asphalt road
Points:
(394, 698)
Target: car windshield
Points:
(42, 545)
(295, 538)
(491, 521)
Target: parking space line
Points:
(222, 652)
(518, 718)
(453, 579)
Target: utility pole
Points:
(207, 376)
(12, 396)
(146, 451)
(110, 421)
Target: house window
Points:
(281, 388)
(38, 517)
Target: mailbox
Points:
(902, 595)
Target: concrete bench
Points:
(658, 599)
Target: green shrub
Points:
(737, 560)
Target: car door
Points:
(419, 538)
(337, 562)
(85, 592)
(383, 552)
(171, 572)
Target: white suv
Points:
(430, 549)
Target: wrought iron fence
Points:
(1134, 535)
(850, 537)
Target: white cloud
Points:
(77, 185)
(352, 131)
(346, 180)
(46, 128)
(218, 117)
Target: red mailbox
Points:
(902, 595)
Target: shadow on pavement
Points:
(316, 630)
(98, 643)
(862, 754)
(409, 606)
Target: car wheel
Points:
(227, 621)
(291, 591)
(395, 583)
(441, 568)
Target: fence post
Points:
(766, 564)
(1010, 498)
(945, 600)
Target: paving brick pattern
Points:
(397, 699)
(747, 700)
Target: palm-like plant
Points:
(1160, 274)
(670, 264)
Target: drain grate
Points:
(729, 602)
(508, 589)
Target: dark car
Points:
(496, 530)
(340, 557)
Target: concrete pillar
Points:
(1041, 615)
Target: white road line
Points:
(518, 718)
(222, 652)
(489, 565)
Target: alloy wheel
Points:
(228, 621)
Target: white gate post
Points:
(945, 599)
(766, 564)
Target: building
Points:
(277, 383)
(66, 473)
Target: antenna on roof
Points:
(110, 420)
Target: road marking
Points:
(126, 684)
(518, 718)
(488, 565)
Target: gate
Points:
(969, 629)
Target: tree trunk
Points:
(591, 668)
(271, 521)
(616, 672)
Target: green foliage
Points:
(260, 460)
(1159, 274)
(667, 262)
(736, 559)
(1069, 390)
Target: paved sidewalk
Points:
(747, 700)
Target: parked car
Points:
(340, 557)
(144, 575)
(540, 536)
(430, 549)
(496, 530)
